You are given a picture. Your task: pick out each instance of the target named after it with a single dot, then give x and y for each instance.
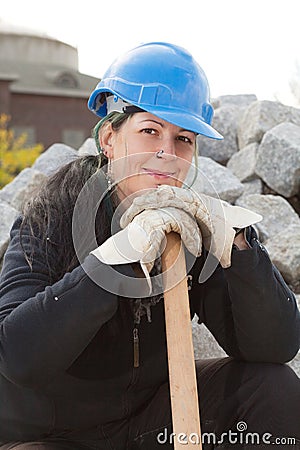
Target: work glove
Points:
(217, 219)
(141, 238)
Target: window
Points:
(29, 131)
(66, 80)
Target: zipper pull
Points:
(136, 350)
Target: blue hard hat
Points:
(162, 79)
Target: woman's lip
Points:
(158, 173)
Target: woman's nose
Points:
(167, 148)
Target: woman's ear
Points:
(106, 140)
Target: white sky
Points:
(244, 46)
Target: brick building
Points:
(42, 89)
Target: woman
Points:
(83, 349)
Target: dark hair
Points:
(48, 215)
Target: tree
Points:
(15, 154)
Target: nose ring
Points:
(159, 154)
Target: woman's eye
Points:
(185, 139)
(148, 130)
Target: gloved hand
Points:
(216, 218)
(141, 239)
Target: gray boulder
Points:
(7, 218)
(260, 117)
(252, 187)
(205, 345)
(284, 250)
(55, 157)
(241, 100)
(20, 189)
(276, 211)
(295, 364)
(216, 180)
(278, 159)
(225, 121)
(243, 163)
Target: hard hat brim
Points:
(186, 121)
(182, 119)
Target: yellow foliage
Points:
(15, 155)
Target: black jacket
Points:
(66, 350)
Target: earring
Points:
(109, 175)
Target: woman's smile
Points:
(158, 173)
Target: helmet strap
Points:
(116, 104)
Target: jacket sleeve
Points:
(249, 309)
(43, 328)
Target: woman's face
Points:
(133, 153)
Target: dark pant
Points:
(243, 405)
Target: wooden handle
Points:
(182, 374)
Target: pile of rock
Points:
(257, 166)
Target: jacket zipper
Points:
(136, 347)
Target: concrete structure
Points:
(42, 89)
